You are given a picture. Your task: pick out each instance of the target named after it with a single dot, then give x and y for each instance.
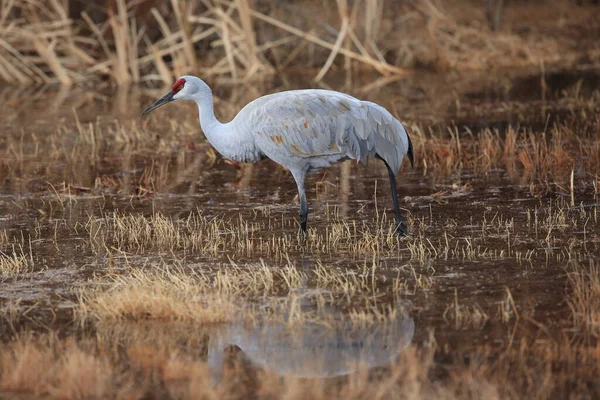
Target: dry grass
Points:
(127, 41)
(540, 157)
(454, 38)
(54, 369)
(122, 46)
(211, 236)
(151, 328)
(162, 295)
(465, 317)
(585, 298)
(526, 155)
(148, 365)
(15, 261)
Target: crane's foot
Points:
(303, 227)
(302, 235)
(401, 229)
(302, 232)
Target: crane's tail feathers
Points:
(409, 153)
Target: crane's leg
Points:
(299, 176)
(401, 229)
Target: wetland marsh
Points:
(137, 263)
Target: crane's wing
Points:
(320, 123)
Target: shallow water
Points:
(475, 246)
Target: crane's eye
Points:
(177, 86)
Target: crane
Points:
(302, 130)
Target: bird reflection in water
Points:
(313, 349)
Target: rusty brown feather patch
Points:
(277, 139)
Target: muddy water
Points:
(475, 243)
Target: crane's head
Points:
(185, 88)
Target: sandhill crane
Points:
(303, 130)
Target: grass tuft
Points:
(155, 295)
(15, 262)
(584, 301)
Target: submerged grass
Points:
(197, 233)
(50, 368)
(47, 367)
(464, 317)
(206, 297)
(536, 234)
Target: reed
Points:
(127, 41)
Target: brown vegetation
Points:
(532, 155)
(163, 295)
(15, 261)
(169, 361)
(585, 299)
(133, 41)
(165, 314)
(158, 347)
(526, 155)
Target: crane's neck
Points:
(229, 139)
(209, 123)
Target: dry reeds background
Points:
(127, 41)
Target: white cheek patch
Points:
(178, 95)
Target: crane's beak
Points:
(167, 98)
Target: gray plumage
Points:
(303, 130)
(310, 129)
